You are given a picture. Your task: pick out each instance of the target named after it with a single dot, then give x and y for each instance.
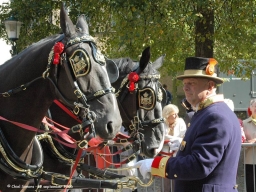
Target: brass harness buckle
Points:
(59, 177)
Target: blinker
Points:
(112, 70)
(147, 98)
(80, 63)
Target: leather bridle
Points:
(132, 122)
(82, 105)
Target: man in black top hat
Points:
(209, 153)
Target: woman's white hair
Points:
(168, 109)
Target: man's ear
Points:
(211, 85)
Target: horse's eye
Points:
(80, 62)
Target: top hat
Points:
(201, 67)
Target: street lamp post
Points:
(12, 26)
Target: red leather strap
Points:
(22, 125)
(62, 134)
(71, 144)
(74, 168)
(64, 108)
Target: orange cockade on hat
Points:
(210, 67)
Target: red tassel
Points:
(132, 86)
(56, 59)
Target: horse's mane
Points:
(33, 58)
(34, 47)
(43, 42)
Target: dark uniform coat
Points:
(208, 157)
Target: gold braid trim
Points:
(49, 138)
(19, 169)
(161, 169)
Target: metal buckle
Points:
(123, 140)
(78, 93)
(76, 129)
(132, 127)
(6, 94)
(127, 147)
(76, 110)
(160, 120)
(99, 93)
(55, 175)
(82, 144)
(132, 157)
(136, 119)
(23, 87)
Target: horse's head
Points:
(140, 95)
(82, 77)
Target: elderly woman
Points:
(175, 127)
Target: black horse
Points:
(67, 67)
(140, 96)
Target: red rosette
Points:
(133, 77)
(58, 48)
(56, 59)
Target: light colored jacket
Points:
(250, 133)
(175, 140)
(179, 130)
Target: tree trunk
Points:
(204, 31)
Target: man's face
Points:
(195, 89)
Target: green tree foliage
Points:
(126, 27)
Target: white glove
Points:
(144, 167)
(176, 140)
(174, 145)
(132, 172)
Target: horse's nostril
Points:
(110, 127)
(151, 152)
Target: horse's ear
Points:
(82, 24)
(159, 62)
(66, 24)
(144, 60)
